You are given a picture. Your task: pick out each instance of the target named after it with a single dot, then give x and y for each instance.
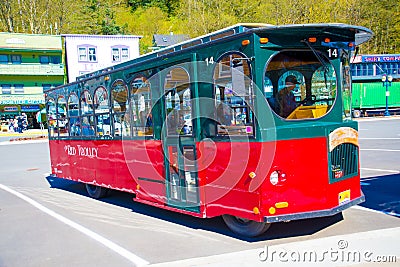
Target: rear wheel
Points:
(95, 191)
(245, 227)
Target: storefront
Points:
(14, 105)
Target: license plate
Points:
(344, 197)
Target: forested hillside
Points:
(197, 17)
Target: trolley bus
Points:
(198, 128)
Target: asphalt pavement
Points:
(52, 222)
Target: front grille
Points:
(344, 161)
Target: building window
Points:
(116, 55)
(119, 53)
(16, 59)
(124, 54)
(92, 54)
(55, 59)
(49, 59)
(44, 59)
(81, 72)
(82, 54)
(87, 54)
(3, 59)
(46, 86)
(6, 89)
(18, 88)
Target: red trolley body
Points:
(200, 129)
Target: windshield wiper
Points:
(324, 64)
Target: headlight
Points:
(277, 177)
(274, 177)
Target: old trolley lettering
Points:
(82, 151)
(70, 150)
(90, 152)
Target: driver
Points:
(286, 99)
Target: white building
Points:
(88, 53)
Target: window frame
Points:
(84, 54)
(100, 113)
(6, 89)
(62, 119)
(87, 116)
(120, 53)
(307, 83)
(141, 126)
(16, 59)
(119, 116)
(73, 120)
(174, 117)
(4, 56)
(52, 121)
(19, 89)
(41, 57)
(247, 129)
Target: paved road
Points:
(380, 168)
(51, 222)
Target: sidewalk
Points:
(359, 249)
(30, 132)
(31, 135)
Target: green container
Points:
(372, 95)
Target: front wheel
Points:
(95, 191)
(245, 227)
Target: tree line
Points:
(197, 17)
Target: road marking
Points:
(109, 244)
(378, 149)
(380, 170)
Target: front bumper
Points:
(314, 214)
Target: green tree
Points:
(168, 6)
(7, 15)
(97, 17)
(197, 17)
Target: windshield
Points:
(300, 84)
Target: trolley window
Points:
(87, 123)
(120, 105)
(346, 89)
(102, 112)
(74, 125)
(233, 93)
(141, 107)
(300, 84)
(178, 102)
(51, 117)
(62, 121)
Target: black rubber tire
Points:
(95, 191)
(245, 227)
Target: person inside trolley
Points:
(286, 99)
